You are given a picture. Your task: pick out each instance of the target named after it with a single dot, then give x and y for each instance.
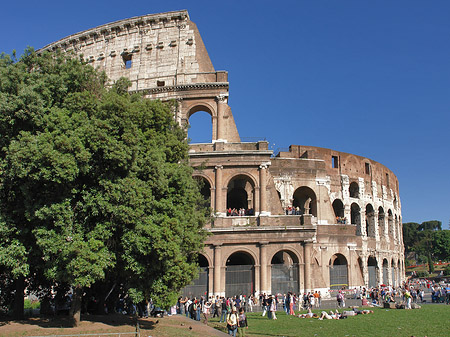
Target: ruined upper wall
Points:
(341, 163)
(153, 51)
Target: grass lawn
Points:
(430, 320)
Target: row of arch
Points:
(375, 222)
(285, 273)
(241, 193)
(353, 190)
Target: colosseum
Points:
(305, 219)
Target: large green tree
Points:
(94, 181)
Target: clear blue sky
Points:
(365, 77)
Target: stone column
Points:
(375, 224)
(221, 104)
(307, 256)
(263, 189)
(220, 210)
(362, 216)
(217, 290)
(263, 267)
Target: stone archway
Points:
(381, 221)
(338, 208)
(240, 274)
(370, 221)
(305, 199)
(199, 286)
(338, 272)
(372, 267)
(354, 190)
(241, 194)
(204, 187)
(285, 272)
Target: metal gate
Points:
(372, 276)
(239, 280)
(393, 276)
(199, 286)
(338, 276)
(284, 278)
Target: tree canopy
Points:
(94, 182)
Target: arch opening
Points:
(240, 196)
(239, 275)
(372, 269)
(338, 272)
(285, 272)
(305, 199)
(370, 221)
(338, 208)
(205, 189)
(354, 190)
(198, 286)
(381, 219)
(200, 127)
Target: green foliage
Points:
(422, 273)
(31, 304)
(94, 182)
(447, 270)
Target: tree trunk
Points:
(75, 308)
(18, 298)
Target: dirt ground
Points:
(168, 326)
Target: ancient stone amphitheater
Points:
(314, 218)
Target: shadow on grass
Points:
(66, 322)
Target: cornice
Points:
(185, 87)
(120, 25)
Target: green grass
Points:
(430, 320)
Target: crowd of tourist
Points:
(231, 310)
(240, 212)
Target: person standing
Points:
(223, 316)
(232, 321)
(273, 308)
(242, 323)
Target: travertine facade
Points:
(347, 227)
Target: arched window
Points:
(285, 272)
(241, 195)
(305, 199)
(205, 189)
(372, 269)
(370, 221)
(200, 125)
(199, 286)
(239, 275)
(338, 208)
(338, 272)
(354, 190)
(381, 221)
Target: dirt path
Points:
(170, 326)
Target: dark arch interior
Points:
(204, 187)
(354, 190)
(355, 214)
(305, 199)
(284, 257)
(240, 258)
(338, 208)
(240, 194)
(372, 261)
(202, 261)
(340, 260)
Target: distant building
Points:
(307, 218)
